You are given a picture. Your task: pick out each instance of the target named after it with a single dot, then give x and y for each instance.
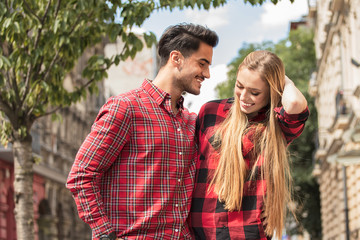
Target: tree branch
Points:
(58, 52)
(38, 69)
(51, 112)
(16, 90)
(27, 84)
(57, 8)
(7, 5)
(77, 22)
(88, 83)
(52, 64)
(29, 112)
(46, 12)
(26, 5)
(8, 77)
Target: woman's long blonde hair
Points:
(230, 176)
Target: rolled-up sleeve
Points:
(292, 125)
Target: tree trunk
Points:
(23, 188)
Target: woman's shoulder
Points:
(213, 106)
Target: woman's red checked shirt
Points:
(208, 218)
(134, 173)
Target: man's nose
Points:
(206, 73)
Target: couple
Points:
(149, 169)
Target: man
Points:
(134, 174)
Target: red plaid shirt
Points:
(208, 218)
(134, 173)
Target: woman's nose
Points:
(244, 95)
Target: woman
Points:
(243, 177)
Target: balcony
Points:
(320, 153)
(342, 122)
(343, 115)
(349, 157)
(336, 5)
(357, 91)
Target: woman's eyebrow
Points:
(253, 89)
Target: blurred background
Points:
(318, 40)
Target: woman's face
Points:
(253, 92)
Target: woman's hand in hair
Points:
(293, 100)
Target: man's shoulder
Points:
(128, 97)
(122, 103)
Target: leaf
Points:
(4, 61)
(138, 44)
(117, 60)
(16, 26)
(56, 25)
(150, 39)
(56, 117)
(7, 23)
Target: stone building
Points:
(336, 87)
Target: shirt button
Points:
(179, 180)
(176, 205)
(180, 153)
(176, 230)
(179, 129)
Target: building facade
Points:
(336, 87)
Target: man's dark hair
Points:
(186, 38)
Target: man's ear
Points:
(175, 57)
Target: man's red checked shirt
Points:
(208, 218)
(134, 174)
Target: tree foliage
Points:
(298, 54)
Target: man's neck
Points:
(165, 83)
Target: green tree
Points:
(40, 42)
(298, 54)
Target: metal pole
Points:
(346, 209)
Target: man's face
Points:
(194, 69)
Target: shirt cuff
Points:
(292, 117)
(100, 227)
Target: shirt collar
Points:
(262, 115)
(158, 94)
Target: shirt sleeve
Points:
(109, 133)
(292, 125)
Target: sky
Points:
(236, 23)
